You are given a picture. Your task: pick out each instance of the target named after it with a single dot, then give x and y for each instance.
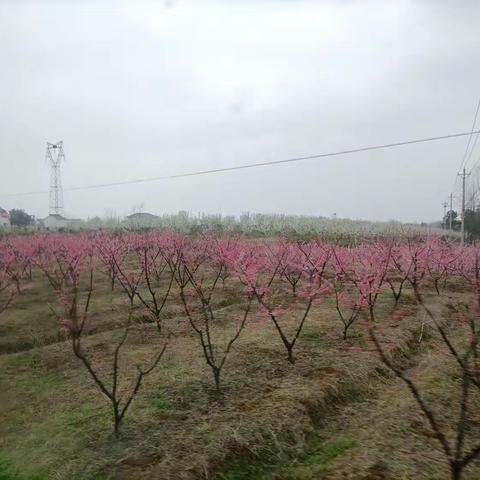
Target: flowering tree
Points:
(284, 259)
(442, 261)
(469, 269)
(158, 262)
(75, 304)
(303, 269)
(458, 457)
(58, 255)
(111, 252)
(348, 304)
(399, 270)
(7, 290)
(366, 268)
(21, 251)
(202, 265)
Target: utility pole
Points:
(464, 175)
(444, 220)
(451, 211)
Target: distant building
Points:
(55, 221)
(140, 220)
(4, 218)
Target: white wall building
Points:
(4, 218)
(56, 221)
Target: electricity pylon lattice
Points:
(55, 156)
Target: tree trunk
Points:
(456, 470)
(116, 420)
(216, 375)
(290, 357)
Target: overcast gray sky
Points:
(138, 89)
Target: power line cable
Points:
(476, 164)
(255, 165)
(464, 160)
(472, 149)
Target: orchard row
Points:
(276, 280)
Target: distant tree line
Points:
(19, 218)
(451, 221)
(472, 224)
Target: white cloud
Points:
(138, 89)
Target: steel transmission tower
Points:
(55, 156)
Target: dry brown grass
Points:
(278, 417)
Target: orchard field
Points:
(158, 355)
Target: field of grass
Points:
(336, 413)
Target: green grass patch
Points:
(162, 405)
(282, 459)
(47, 423)
(315, 465)
(5, 469)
